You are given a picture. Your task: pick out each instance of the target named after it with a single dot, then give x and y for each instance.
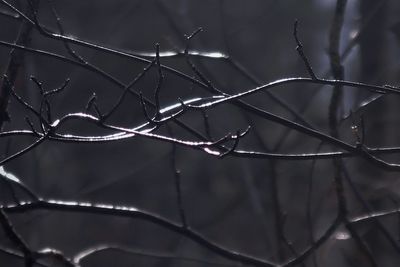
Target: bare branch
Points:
(299, 49)
(130, 212)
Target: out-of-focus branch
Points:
(13, 66)
(16, 239)
(338, 73)
(81, 256)
(131, 212)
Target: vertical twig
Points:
(309, 217)
(207, 126)
(300, 51)
(177, 182)
(13, 67)
(159, 82)
(246, 73)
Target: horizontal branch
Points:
(141, 131)
(374, 215)
(47, 33)
(381, 89)
(143, 253)
(131, 212)
(262, 113)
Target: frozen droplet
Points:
(342, 235)
(8, 175)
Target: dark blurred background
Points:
(244, 204)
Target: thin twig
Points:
(299, 49)
(178, 183)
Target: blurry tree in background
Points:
(199, 133)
